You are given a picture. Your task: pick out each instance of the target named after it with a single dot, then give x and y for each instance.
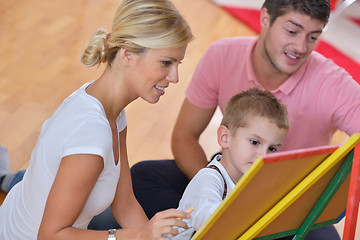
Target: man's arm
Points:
(191, 122)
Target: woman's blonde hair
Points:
(138, 25)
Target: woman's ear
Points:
(125, 56)
(264, 18)
(223, 136)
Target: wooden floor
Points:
(40, 45)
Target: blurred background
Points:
(40, 45)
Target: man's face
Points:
(289, 41)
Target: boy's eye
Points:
(254, 142)
(272, 149)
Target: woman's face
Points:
(153, 71)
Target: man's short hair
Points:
(316, 9)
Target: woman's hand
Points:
(163, 223)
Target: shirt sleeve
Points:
(92, 136)
(342, 102)
(202, 90)
(204, 194)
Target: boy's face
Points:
(241, 147)
(289, 40)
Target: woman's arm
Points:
(128, 212)
(73, 183)
(126, 209)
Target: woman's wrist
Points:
(126, 233)
(111, 234)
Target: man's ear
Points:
(223, 136)
(264, 18)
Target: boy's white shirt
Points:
(204, 194)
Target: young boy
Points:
(254, 123)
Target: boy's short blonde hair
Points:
(254, 103)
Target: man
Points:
(320, 96)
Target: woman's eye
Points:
(254, 142)
(166, 63)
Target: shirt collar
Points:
(293, 80)
(287, 86)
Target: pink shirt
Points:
(321, 97)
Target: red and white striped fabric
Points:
(340, 40)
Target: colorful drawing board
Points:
(276, 196)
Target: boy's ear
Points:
(223, 136)
(264, 18)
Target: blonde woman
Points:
(79, 165)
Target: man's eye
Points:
(254, 142)
(313, 38)
(291, 32)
